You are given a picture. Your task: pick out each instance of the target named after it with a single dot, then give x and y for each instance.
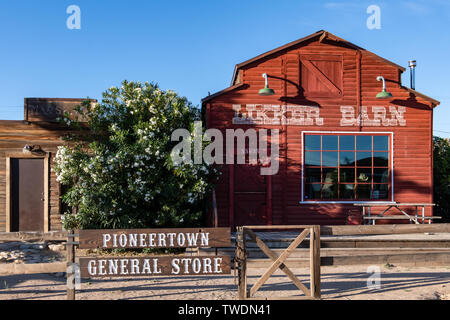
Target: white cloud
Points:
(418, 8)
(342, 5)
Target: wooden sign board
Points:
(154, 266)
(154, 238)
(49, 109)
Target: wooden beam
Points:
(385, 229)
(231, 195)
(35, 268)
(314, 260)
(282, 298)
(8, 195)
(70, 255)
(408, 259)
(241, 258)
(417, 259)
(276, 264)
(323, 36)
(46, 193)
(273, 256)
(279, 227)
(33, 236)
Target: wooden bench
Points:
(396, 205)
(398, 217)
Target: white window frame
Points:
(391, 155)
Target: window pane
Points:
(364, 159)
(380, 192)
(347, 158)
(381, 143)
(330, 175)
(312, 175)
(312, 158)
(347, 191)
(312, 191)
(381, 159)
(329, 143)
(330, 159)
(381, 175)
(330, 162)
(312, 142)
(364, 143)
(347, 175)
(364, 175)
(329, 191)
(363, 191)
(346, 142)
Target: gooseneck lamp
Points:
(266, 91)
(383, 94)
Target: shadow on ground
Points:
(333, 285)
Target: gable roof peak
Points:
(322, 34)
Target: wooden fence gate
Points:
(278, 261)
(336, 250)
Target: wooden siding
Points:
(14, 135)
(412, 143)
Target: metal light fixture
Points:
(27, 149)
(266, 91)
(32, 149)
(383, 94)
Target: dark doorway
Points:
(250, 196)
(27, 194)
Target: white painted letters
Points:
(379, 117)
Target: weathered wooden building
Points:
(339, 144)
(29, 192)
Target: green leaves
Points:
(441, 168)
(118, 166)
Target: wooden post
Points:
(314, 245)
(269, 200)
(241, 257)
(231, 195)
(216, 217)
(70, 268)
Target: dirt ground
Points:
(396, 283)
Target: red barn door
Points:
(250, 196)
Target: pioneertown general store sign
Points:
(114, 266)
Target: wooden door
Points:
(27, 194)
(321, 75)
(250, 196)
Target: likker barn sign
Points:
(293, 115)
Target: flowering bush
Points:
(118, 168)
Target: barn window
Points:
(347, 167)
(321, 75)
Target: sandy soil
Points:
(403, 283)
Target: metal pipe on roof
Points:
(412, 67)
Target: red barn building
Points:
(339, 145)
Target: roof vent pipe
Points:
(412, 67)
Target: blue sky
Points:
(192, 46)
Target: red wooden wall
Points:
(244, 197)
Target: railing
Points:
(33, 268)
(336, 251)
(278, 262)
